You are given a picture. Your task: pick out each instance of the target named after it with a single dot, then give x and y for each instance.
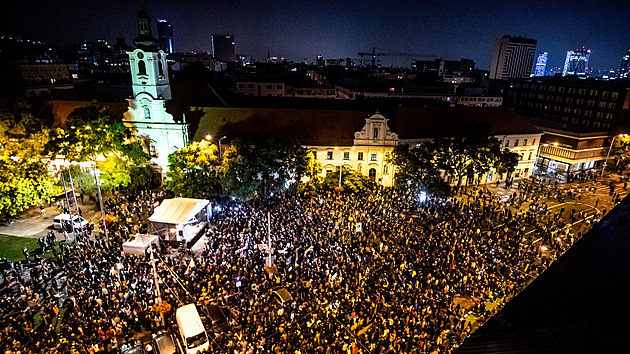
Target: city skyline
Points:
(339, 30)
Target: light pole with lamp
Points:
(209, 137)
(609, 149)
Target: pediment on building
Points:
(376, 121)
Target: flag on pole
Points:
(190, 265)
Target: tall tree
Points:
(193, 170)
(93, 134)
(24, 175)
(418, 170)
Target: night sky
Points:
(340, 29)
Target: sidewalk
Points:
(31, 223)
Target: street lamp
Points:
(609, 149)
(340, 171)
(209, 137)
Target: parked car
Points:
(64, 219)
(163, 342)
(218, 318)
(133, 347)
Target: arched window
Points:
(160, 69)
(142, 67)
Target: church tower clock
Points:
(151, 90)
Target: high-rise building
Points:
(624, 69)
(223, 47)
(576, 62)
(541, 65)
(165, 36)
(513, 58)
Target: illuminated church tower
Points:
(151, 90)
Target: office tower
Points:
(223, 47)
(576, 62)
(165, 36)
(541, 65)
(513, 58)
(624, 70)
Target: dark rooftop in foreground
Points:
(579, 305)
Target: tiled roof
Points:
(429, 122)
(308, 127)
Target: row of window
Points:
(516, 142)
(570, 90)
(587, 112)
(346, 155)
(481, 99)
(279, 87)
(550, 98)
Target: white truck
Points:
(191, 329)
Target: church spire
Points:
(145, 39)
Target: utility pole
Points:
(65, 190)
(157, 284)
(102, 207)
(76, 204)
(269, 261)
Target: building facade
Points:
(151, 89)
(576, 62)
(368, 155)
(578, 118)
(541, 65)
(624, 69)
(513, 58)
(223, 47)
(165, 36)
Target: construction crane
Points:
(387, 53)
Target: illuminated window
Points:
(329, 155)
(373, 156)
(346, 155)
(152, 150)
(360, 156)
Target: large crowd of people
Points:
(379, 271)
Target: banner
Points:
(190, 265)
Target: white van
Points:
(191, 329)
(61, 219)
